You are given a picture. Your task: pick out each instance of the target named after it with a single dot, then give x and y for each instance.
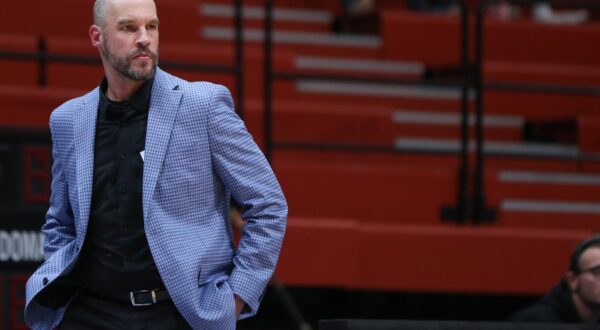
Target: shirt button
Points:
(45, 281)
(122, 156)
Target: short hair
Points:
(99, 12)
(99, 6)
(593, 241)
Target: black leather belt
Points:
(148, 297)
(138, 298)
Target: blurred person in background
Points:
(576, 299)
(359, 7)
(543, 12)
(357, 16)
(435, 6)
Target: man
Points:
(577, 298)
(137, 234)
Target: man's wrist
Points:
(239, 306)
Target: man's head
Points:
(583, 276)
(126, 34)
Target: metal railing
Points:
(460, 211)
(481, 211)
(471, 200)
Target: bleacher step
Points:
(357, 65)
(377, 90)
(551, 207)
(497, 148)
(295, 37)
(454, 119)
(257, 13)
(531, 177)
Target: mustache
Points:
(144, 51)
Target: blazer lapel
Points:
(164, 104)
(85, 132)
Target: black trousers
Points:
(88, 311)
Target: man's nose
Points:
(143, 39)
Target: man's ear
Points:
(572, 280)
(95, 35)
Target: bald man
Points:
(137, 235)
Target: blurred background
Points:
(441, 159)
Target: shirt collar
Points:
(140, 100)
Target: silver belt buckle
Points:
(134, 303)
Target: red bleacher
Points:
(437, 258)
(369, 220)
(521, 41)
(18, 72)
(25, 106)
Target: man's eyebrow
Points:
(126, 21)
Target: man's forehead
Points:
(590, 257)
(130, 9)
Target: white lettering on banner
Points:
(21, 246)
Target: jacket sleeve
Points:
(250, 179)
(59, 228)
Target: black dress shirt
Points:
(116, 256)
(555, 307)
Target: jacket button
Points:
(45, 281)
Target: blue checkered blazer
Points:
(198, 153)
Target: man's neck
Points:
(121, 88)
(586, 313)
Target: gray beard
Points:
(124, 68)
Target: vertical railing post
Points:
(462, 206)
(239, 56)
(268, 79)
(481, 213)
(42, 61)
(459, 212)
